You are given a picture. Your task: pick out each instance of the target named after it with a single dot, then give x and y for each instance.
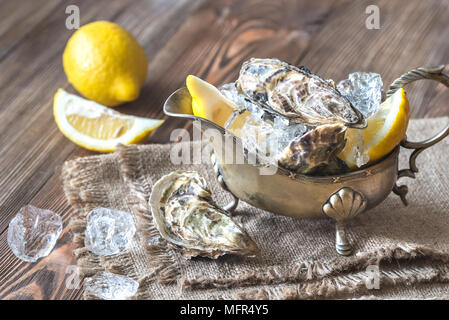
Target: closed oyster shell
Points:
(186, 216)
(316, 151)
(296, 93)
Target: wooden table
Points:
(206, 38)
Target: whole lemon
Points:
(105, 63)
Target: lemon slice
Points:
(209, 103)
(385, 130)
(96, 127)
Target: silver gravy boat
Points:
(340, 197)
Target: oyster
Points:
(186, 216)
(296, 93)
(316, 151)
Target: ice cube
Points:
(270, 134)
(110, 286)
(108, 231)
(286, 131)
(363, 90)
(230, 91)
(33, 232)
(360, 153)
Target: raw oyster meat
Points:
(296, 93)
(317, 149)
(186, 216)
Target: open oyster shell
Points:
(186, 216)
(296, 93)
(316, 151)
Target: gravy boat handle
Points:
(432, 73)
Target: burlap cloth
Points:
(298, 259)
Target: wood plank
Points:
(238, 33)
(23, 280)
(27, 160)
(412, 33)
(222, 34)
(47, 278)
(17, 288)
(18, 19)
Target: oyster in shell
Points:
(186, 216)
(296, 93)
(316, 151)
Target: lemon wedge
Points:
(96, 127)
(385, 130)
(209, 103)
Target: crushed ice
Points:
(108, 231)
(110, 286)
(363, 90)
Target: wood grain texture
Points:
(17, 21)
(206, 38)
(30, 161)
(411, 34)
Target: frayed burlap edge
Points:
(351, 286)
(312, 271)
(83, 191)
